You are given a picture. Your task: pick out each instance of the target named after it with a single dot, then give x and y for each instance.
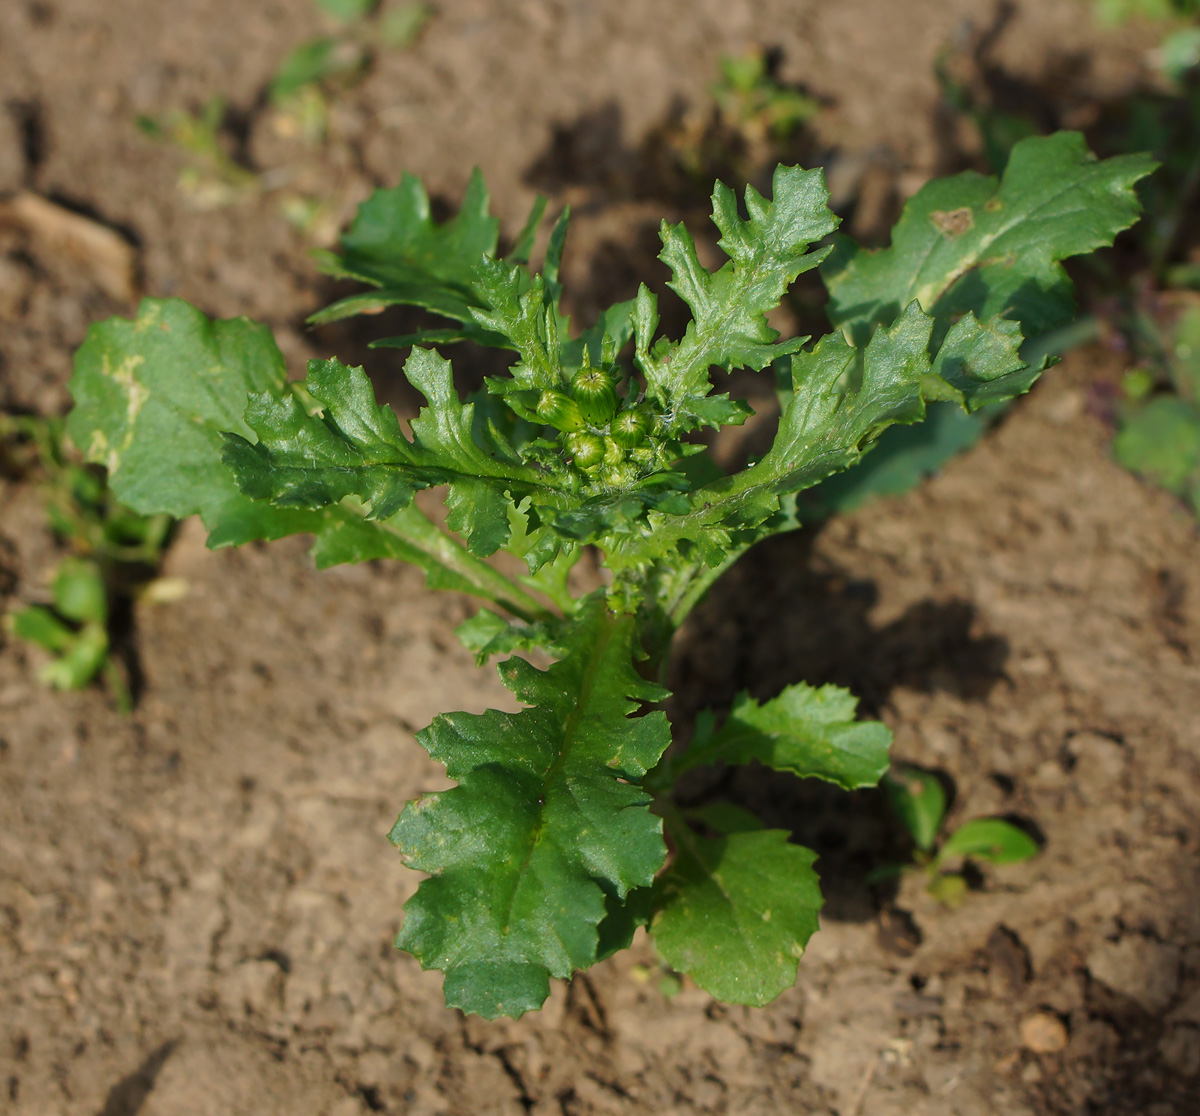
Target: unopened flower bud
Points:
(556, 410)
(629, 428)
(586, 450)
(596, 394)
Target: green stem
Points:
(115, 680)
(692, 591)
(416, 529)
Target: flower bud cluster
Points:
(608, 440)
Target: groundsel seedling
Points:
(550, 851)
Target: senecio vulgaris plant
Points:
(550, 851)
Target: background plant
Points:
(918, 800)
(319, 66)
(550, 851)
(299, 100)
(1146, 306)
(750, 124)
(114, 552)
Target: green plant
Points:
(1158, 422)
(550, 852)
(211, 177)
(74, 630)
(299, 97)
(753, 101)
(1118, 11)
(344, 56)
(918, 799)
(751, 123)
(112, 547)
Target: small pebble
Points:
(1043, 1033)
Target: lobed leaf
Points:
(902, 458)
(156, 398)
(395, 245)
(486, 634)
(355, 447)
(767, 251)
(970, 243)
(827, 425)
(545, 829)
(807, 731)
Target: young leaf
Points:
(919, 802)
(39, 625)
(80, 662)
(355, 447)
(766, 251)
(968, 243)
(314, 61)
(806, 731)
(485, 634)
(735, 912)
(346, 11)
(992, 840)
(79, 591)
(544, 827)
(395, 245)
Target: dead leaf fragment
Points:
(109, 258)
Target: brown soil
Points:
(196, 901)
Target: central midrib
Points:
(570, 726)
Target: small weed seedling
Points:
(1158, 422)
(74, 631)
(754, 101)
(751, 123)
(111, 545)
(299, 97)
(551, 849)
(918, 800)
(211, 177)
(342, 58)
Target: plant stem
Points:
(418, 530)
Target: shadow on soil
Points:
(780, 617)
(128, 1095)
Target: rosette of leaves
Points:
(549, 852)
